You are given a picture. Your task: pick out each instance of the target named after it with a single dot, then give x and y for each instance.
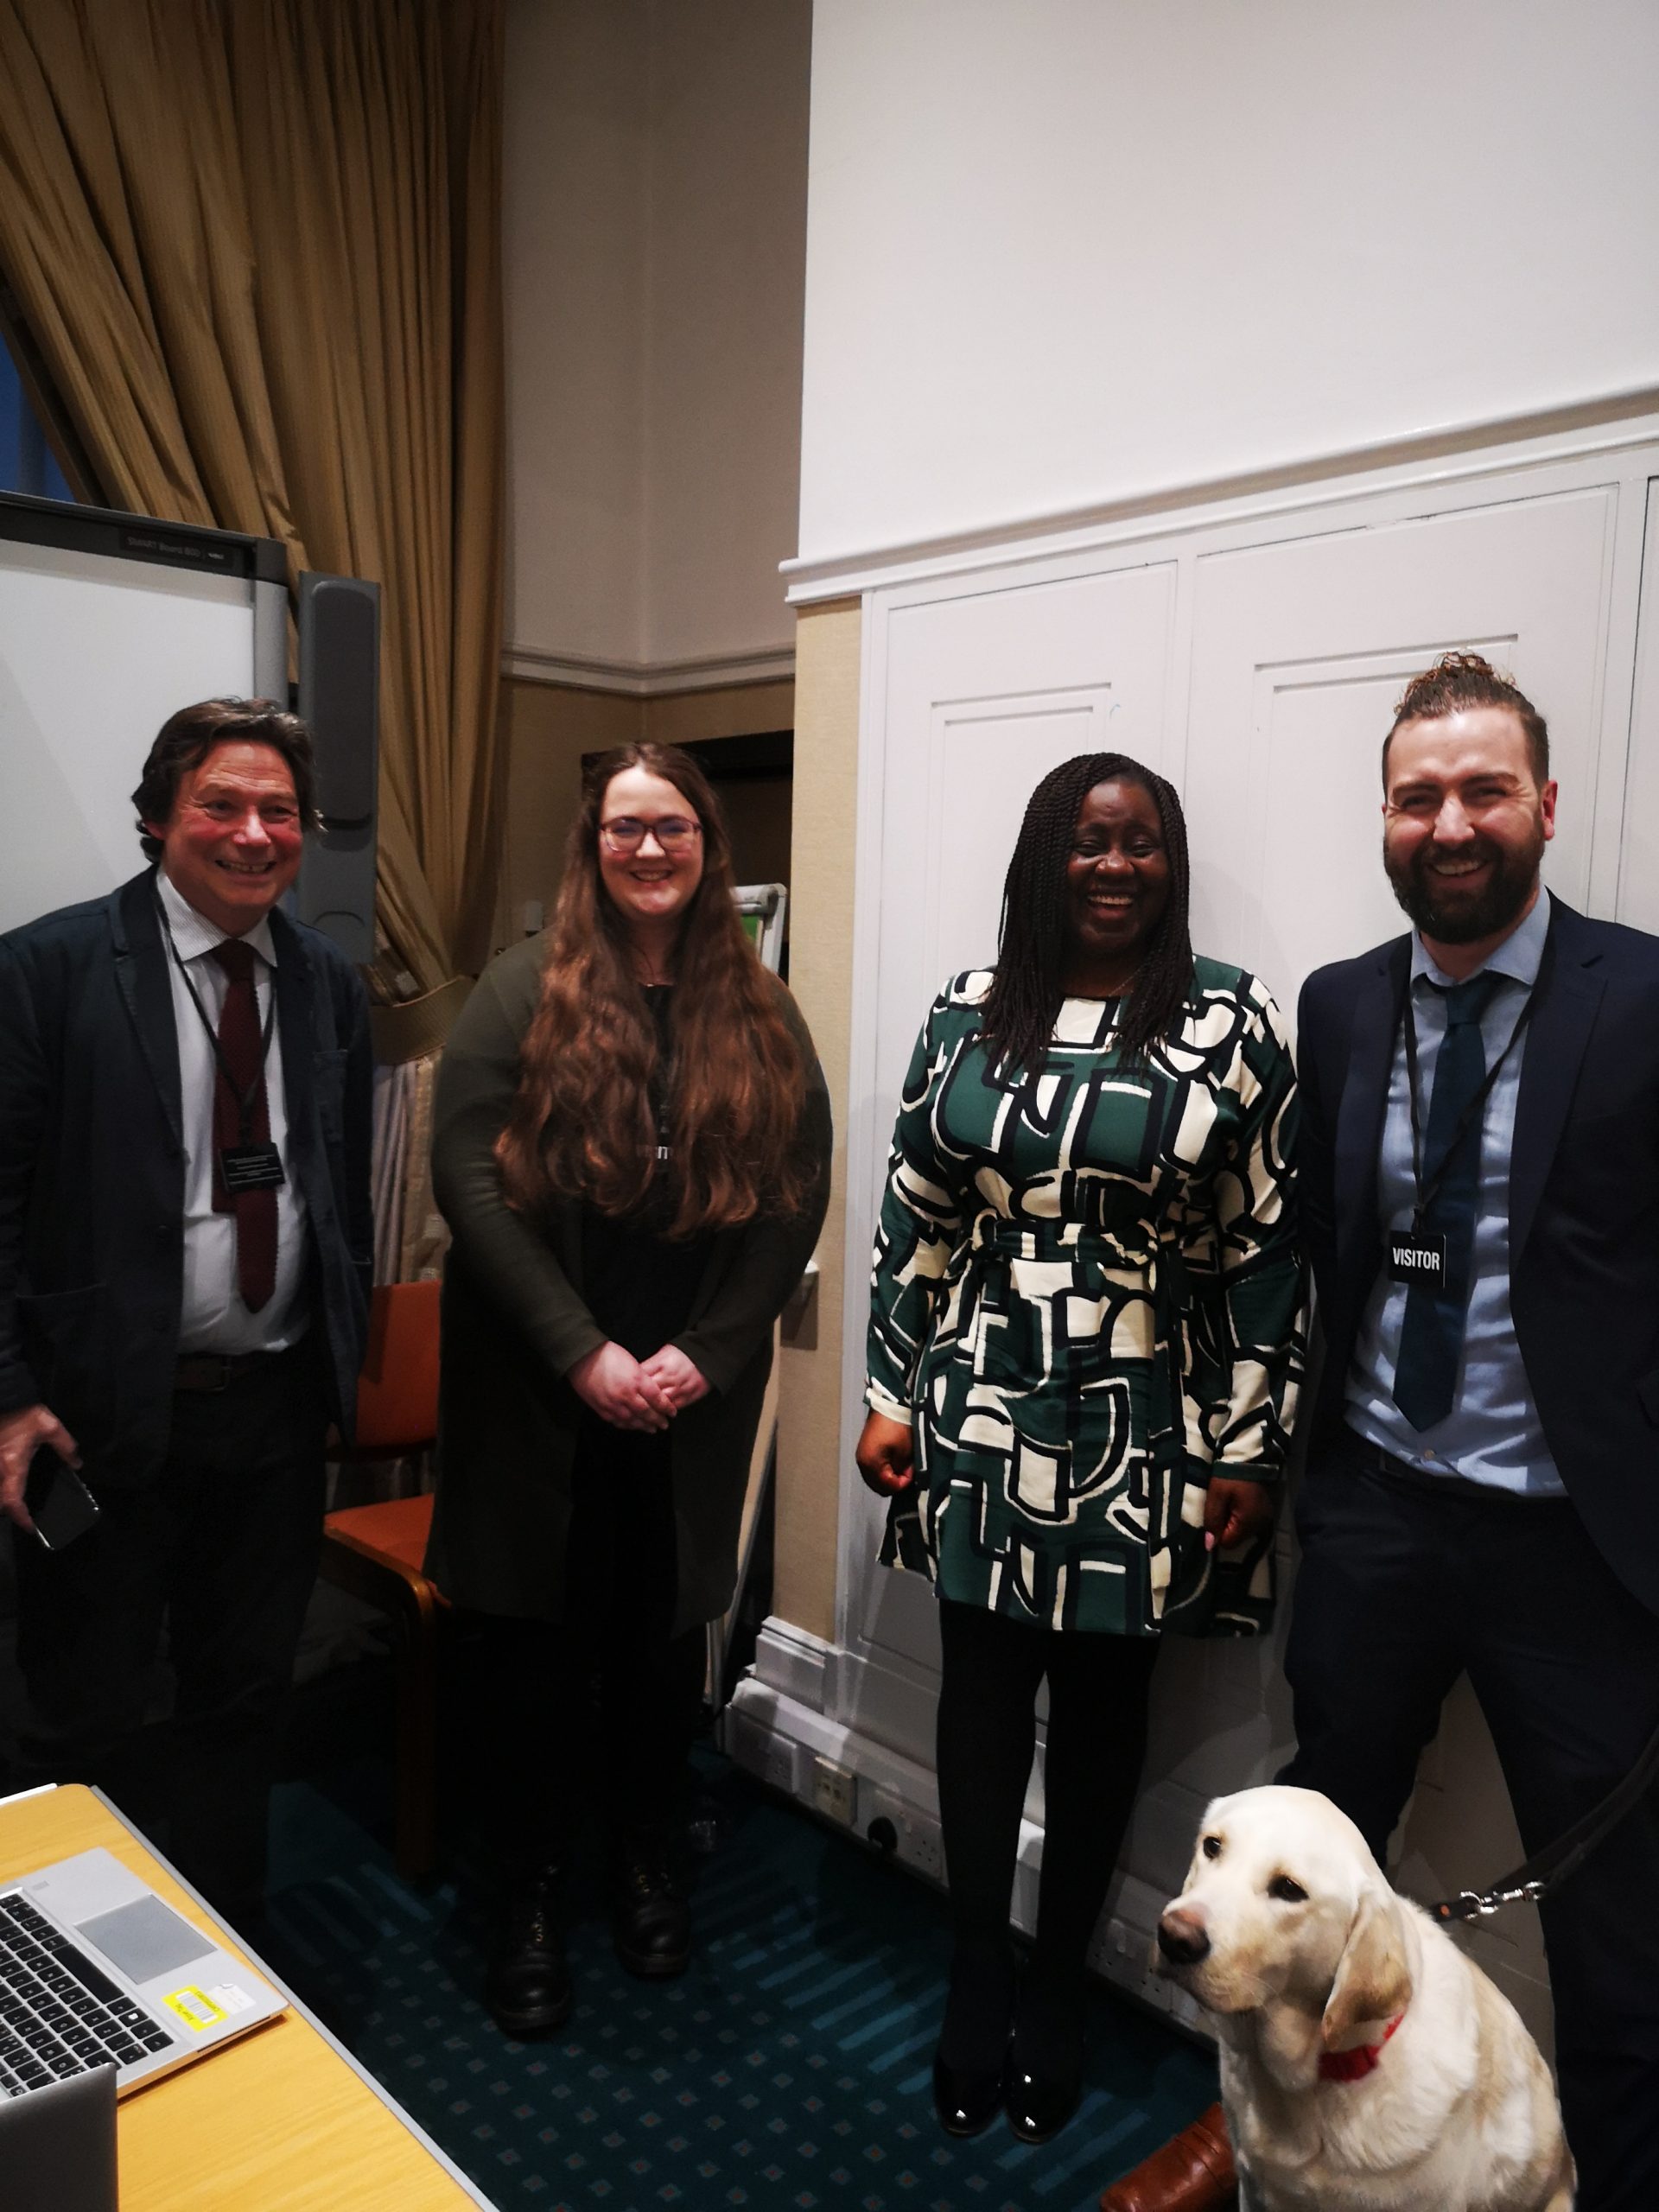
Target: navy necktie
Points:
(1431, 1337)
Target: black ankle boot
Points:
(651, 1926)
(527, 1987)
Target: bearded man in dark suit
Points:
(1479, 1196)
(186, 1245)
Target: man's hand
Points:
(681, 1378)
(611, 1382)
(883, 1453)
(1234, 1511)
(21, 1435)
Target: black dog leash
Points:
(1539, 1874)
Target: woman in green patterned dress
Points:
(1084, 1346)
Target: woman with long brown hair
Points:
(630, 1147)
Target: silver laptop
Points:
(96, 1970)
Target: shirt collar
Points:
(1519, 957)
(195, 935)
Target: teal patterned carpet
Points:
(790, 2068)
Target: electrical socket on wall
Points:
(834, 1791)
(913, 1838)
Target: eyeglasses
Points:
(673, 833)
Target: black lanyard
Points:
(244, 1102)
(1426, 1193)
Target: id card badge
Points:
(1416, 1257)
(251, 1167)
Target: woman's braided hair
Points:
(1023, 1003)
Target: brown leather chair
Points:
(375, 1552)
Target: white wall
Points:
(1073, 251)
(655, 247)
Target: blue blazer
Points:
(91, 1168)
(1584, 1205)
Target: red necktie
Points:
(242, 1054)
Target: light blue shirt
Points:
(1493, 1435)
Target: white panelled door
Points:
(984, 695)
(1301, 651)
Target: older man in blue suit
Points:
(186, 1242)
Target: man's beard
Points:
(1442, 911)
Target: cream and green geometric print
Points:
(1086, 1294)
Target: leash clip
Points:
(1473, 1904)
(1527, 1893)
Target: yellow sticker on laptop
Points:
(195, 2008)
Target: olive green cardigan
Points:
(514, 1324)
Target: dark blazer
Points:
(1584, 1205)
(92, 1167)
(514, 1323)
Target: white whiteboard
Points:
(96, 651)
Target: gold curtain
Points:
(257, 244)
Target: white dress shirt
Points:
(214, 1318)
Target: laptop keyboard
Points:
(59, 2014)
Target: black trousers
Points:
(602, 1705)
(1098, 1685)
(1404, 1585)
(222, 1544)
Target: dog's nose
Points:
(1181, 1937)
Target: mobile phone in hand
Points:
(60, 1503)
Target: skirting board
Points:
(777, 1729)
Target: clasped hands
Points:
(1235, 1508)
(636, 1394)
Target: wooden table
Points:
(283, 2119)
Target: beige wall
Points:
(654, 255)
(548, 728)
(725, 290)
(573, 238)
(811, 1448)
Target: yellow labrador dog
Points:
(1366, 2066)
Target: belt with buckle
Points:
(215, 1371)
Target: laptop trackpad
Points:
(146, 1938)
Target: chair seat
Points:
(392, 1535)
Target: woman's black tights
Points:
(1097, 1693)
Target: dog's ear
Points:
(1373, 1979)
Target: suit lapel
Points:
(1364, 1103)
(1566, 1000)
(141, 974)
(294, 1027)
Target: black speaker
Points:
(340, 697)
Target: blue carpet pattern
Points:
(789, 2067)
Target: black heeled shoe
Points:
(966, 2098)
(527, 1987)
(977, 2011)
(1045, 2071)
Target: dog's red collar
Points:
(1354, 2065)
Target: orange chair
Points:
(377, 1552)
